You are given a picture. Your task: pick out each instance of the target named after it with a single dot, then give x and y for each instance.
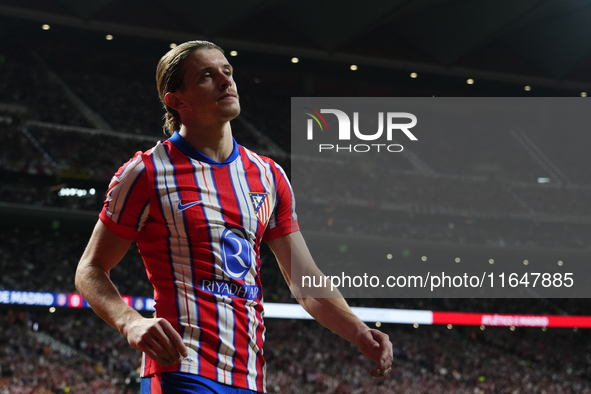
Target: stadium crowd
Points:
(430, 194)
(30, 366)
(304, 358)
(46, 261)
(494, 175)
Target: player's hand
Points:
(158, 339)
(376, 346)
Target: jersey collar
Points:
(182, 145)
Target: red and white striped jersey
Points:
(198, 225)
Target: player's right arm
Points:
(155, 337)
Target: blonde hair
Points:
(170, 74)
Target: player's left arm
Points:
(333, 313)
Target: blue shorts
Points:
(186, 383)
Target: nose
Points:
(226, 81)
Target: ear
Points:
(174, 101)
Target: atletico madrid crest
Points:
(260, 203)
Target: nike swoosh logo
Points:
(182, 206)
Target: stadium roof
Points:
(537, 42)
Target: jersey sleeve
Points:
(283, 219)
(127, 202)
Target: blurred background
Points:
(78, 99)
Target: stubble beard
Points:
(232, 113)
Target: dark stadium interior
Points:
(74, 107)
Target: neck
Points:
(214, 142)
